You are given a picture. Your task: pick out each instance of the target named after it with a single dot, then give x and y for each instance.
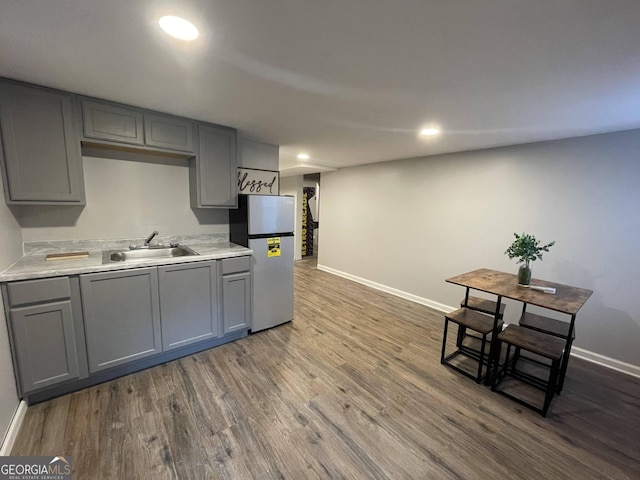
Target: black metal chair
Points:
(481, 323)
(482, 305)
(554, 327)
(542, 344)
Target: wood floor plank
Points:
(352, 388)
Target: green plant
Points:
(527, 249)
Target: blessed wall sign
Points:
(258, 182)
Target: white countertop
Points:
(34, 265)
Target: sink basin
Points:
(110, 256)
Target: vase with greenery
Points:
(526, 248)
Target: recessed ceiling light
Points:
(429, 132)
(179, 28)
(303, 156)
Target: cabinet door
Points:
(215, 172)
(188, 303)
(236, 301)
(106, 121)
(122, 316)
(44, 344)
(164, 131)
(42, 162)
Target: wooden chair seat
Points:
(473, 320)
(483, 305)
(539, 343)
(546, 325)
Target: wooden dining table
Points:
(566, 300)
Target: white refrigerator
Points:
(265, 224)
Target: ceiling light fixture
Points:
(179, 28)
(429, 132)
(303, 156)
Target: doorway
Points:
(310, 205)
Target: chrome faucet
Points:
(150, 237)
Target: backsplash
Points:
(60, 246)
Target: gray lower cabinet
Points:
(213, 171)
(72, 331)
(236, 293)
(236, 301)
(45, 330)
(44, 343)
(40, 156)
(122, 316)
(188, 303)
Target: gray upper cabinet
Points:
(42, 131)
(213, 172)
(188, 303)
(116, 123)
(133, 126)
(164, 131)
(40, 157)
(122, 316)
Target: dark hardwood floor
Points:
(352, 388)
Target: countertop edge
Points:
(27, 267)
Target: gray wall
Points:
(10, 251)
(125, 199)
(411, 224)
(257, 155)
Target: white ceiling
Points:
(347, 81)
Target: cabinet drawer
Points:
(111, 122)
(238, 264)
(34, 291)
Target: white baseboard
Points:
(611, 363)
(577, 352)
(393, 291)
(14, 428)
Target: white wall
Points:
(125, 199)
(293, 186)
(10, 251)
(411, 224)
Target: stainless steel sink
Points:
(151, 253)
